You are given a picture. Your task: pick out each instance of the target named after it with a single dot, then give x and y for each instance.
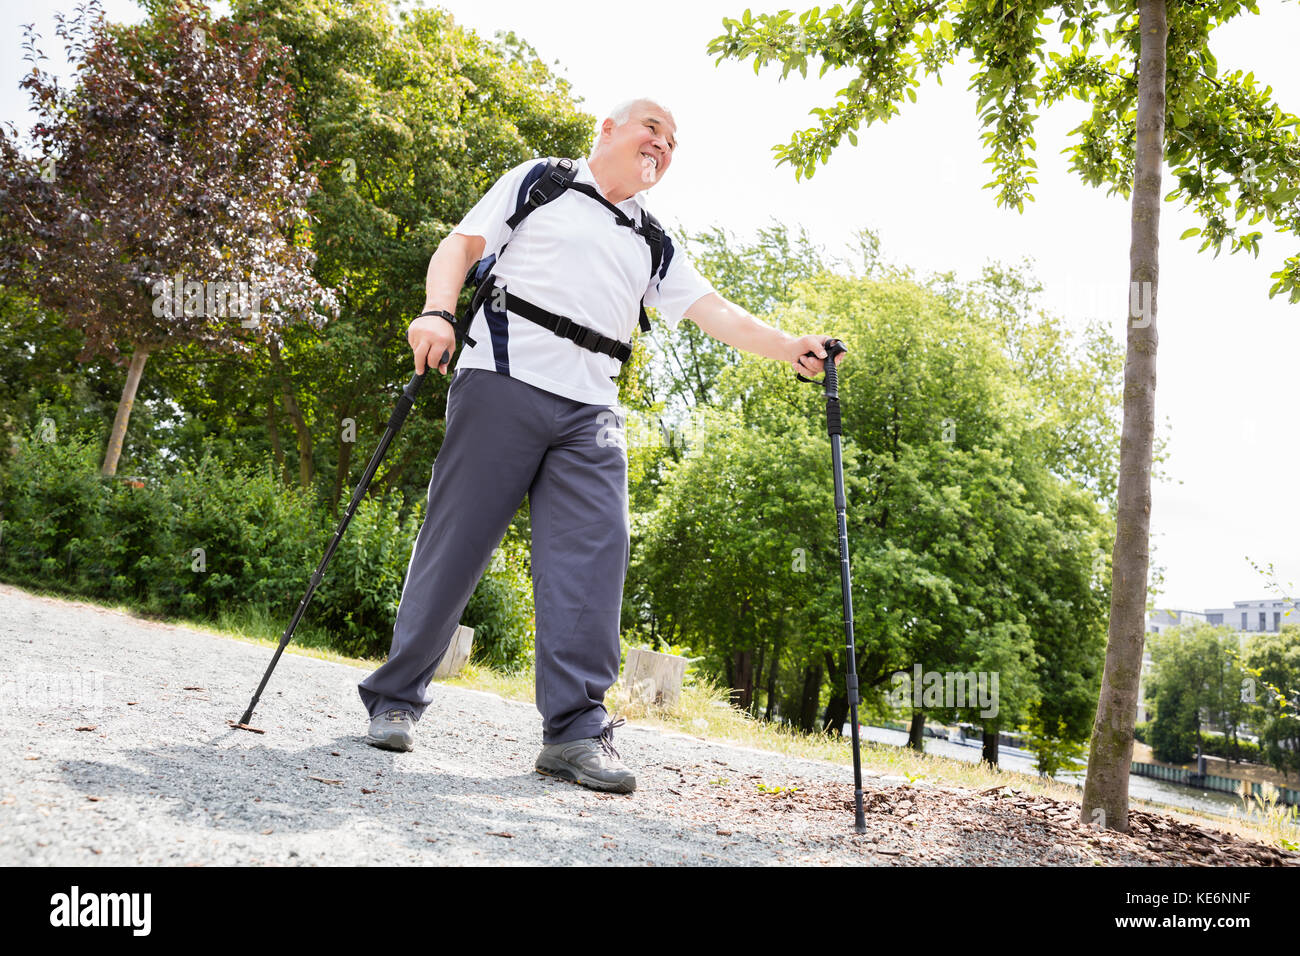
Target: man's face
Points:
(644, 145)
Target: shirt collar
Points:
(585, 175)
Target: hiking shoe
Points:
(590, 761)
(392, 730)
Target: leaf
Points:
(945, 30)
(1194, 231)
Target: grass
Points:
(1269, 813)
(704, 711)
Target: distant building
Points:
(1267, 615)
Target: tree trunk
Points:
(916, 733)
(837, 713)
(117, 437)
(837, 708)
(1111, 751)
(811, 697)
(384, 482)
(989, 752)
(757, 679)
(341, 473)
(295, 415)
(772, 670)
(274, 431)
(743, 688)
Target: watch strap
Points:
(442, 312)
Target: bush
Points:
(1172, 741)
(501, 610)
(1218, 745)
(209, 537)
(52, 500)
(236, 537)
(358, 597)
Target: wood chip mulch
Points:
(931, 825)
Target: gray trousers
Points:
(504, 439)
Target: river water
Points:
(1139, 788)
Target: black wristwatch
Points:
(442, 312)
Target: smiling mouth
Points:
(652, 159)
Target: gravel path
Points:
(116, 751)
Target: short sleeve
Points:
(677, 287)
(489, 215)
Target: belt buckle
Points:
(562, 329)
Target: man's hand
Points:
(431, 335)
(808, 366)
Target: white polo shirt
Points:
(572, 258)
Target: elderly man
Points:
(529, 412)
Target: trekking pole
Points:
(394, 423)
(833, 428)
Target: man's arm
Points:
(729, 323)
(431, 335)
(448, 267)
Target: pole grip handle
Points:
(833, 348)
(408, 395)
(831, 377)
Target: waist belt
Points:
(561, 325)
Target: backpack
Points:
(545, 184)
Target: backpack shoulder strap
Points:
(480, 269)
(653, 233)
(541, 184)
(556, 177)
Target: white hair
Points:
(621, 114)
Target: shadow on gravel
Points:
(343, 784)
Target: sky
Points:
(1227, 398)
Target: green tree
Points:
(960, 543)
(1182, 664)
(1156, 95)
(1275, 660)
(173, 155)
(1197, 678)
